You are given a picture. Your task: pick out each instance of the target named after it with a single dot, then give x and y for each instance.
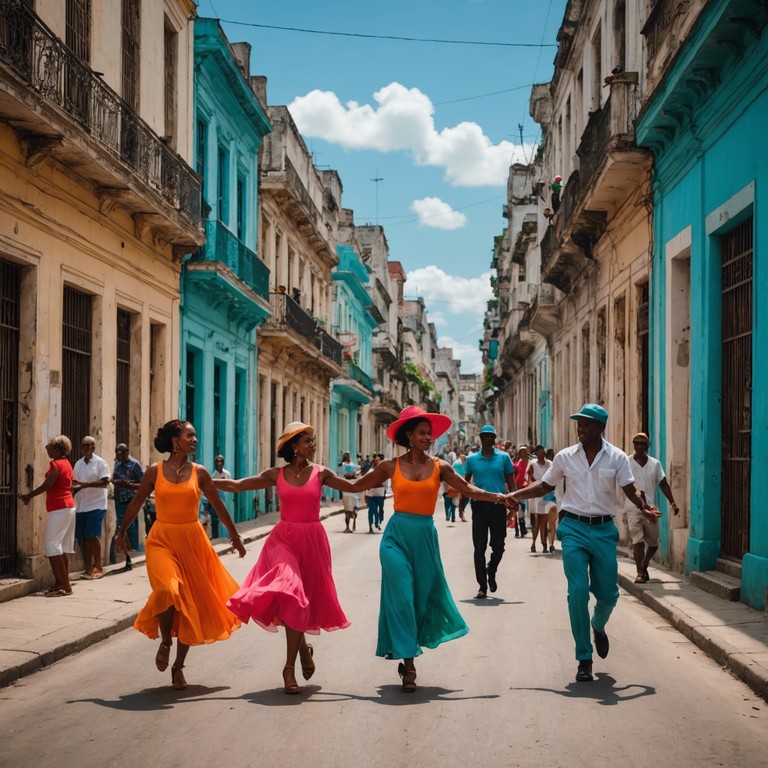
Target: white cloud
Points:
(403, 120)
(434, 212)
(463, 297)
(468, 352)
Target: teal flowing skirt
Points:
(416, 606)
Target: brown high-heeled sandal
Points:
(177, 678)
(163, 656)
(291, 689)
(309, 671)
(408, 676)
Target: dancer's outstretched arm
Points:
(266, 479)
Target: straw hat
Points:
(293, 429)
(440, 423)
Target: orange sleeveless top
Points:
(418, 497)
(176, 502)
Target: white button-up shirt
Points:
(96, 469)
(647, 478)
(590, 490)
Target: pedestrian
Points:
(90, 483)
(219, 473)
(539, 507)
(521, 464)
(292, 584)
(592, 469)
(190, 586)
(493, 471)
(349, 471)
(416, 607)
(374, 498)
(126, 479)
(643, 531)
(366, 464)
(461, 501)
(60, 520)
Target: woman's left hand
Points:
(237, 543)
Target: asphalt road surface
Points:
(504, 695)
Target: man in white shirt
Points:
(644, 532)
(593, 468)
(219, 473)
(89, 484)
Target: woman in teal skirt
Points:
(416, 605)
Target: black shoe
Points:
(128, 566)
(481, 594)
(584, 672)
(601, 643)
(492, 580)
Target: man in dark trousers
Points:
(491, 470)
(593, 469)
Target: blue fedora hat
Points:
(488, 429)
(591, 411)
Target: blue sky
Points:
(438, 124)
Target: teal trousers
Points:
(590, 565)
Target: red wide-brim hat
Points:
(440, 423)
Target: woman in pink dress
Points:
(291, 584)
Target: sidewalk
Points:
(733, 634)
(36, 631)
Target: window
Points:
(77, 337)
(597, 64)
(241, 212)
(78, 36)
(171, 47)
(223, 200)
(193, 385)
(123, 378)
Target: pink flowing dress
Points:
(292, 584)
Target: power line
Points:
(482, 95)
(387, 37)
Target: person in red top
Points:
(60, 505)
(521, 480)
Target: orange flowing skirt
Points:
(185, 572)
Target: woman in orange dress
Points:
(190, 586)
(416, 607)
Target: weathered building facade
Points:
(298, 230)
(98, 206)
(225, 286)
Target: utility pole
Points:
(376, 181)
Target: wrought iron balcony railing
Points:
(286, 311)
(224, 247)
(51, 69)
(356, 373)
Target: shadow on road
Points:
(153, 699)
(490, 601)
(603, 690)
(388, 695)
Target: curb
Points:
(47, 657)
(728, 657)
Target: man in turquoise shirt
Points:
(491, 470)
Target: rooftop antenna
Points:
(376, 181)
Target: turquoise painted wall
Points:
(718, 162)
(219, 313)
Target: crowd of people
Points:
(195, 601)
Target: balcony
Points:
(280, 181)
(229, 274)
(545, 311)
(665, 29)
(354, 384)
(294, 331)
(63, 109)
(612, 168)
(384, 346)
(385, 408)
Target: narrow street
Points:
(503, 695)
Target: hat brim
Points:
(577, 416)
(439, 422)
(284, 438)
